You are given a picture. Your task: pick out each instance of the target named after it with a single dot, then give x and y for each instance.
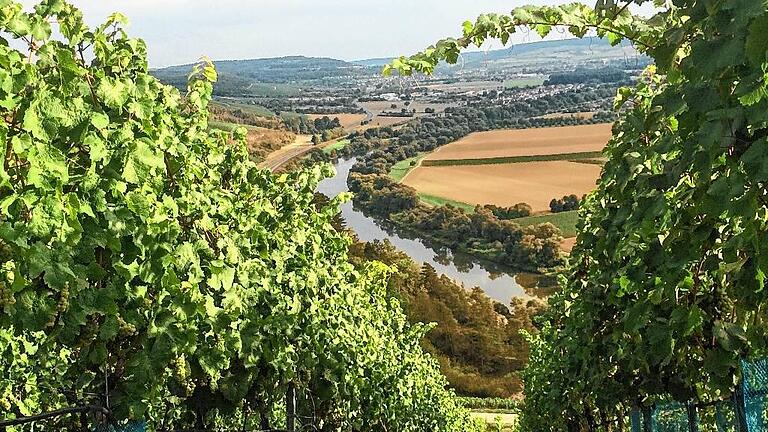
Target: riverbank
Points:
(498, 282)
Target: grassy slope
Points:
(439, 201)
(514, 159)
(338, 145)
(402, 168)
(524, 82)
(249, 108)
(566, 221)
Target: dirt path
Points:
(300, 146)
(278, 158)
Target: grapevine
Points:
(142, 251)
(666, 287)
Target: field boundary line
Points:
(512, 159)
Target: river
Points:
(499, 283)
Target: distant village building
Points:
(390, 97)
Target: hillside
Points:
(535, 54)
(289, 76)
(268, 76)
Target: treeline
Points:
(296, 123)
(239, 116)
(481, 233)
(302, 124)
(476, 340)
(566, 203)
(589, 76)
(314, 105)
(428, 133)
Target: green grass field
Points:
(439, 201)
(271, 90)
(566, 221)
(228, 127)
(338, 145)
(514, 159)
(524, 82)
(600, 162)
(402, 168)
(249, 108)
(496, 421)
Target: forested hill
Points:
(533, 53)
(274, 77)
(242, 76)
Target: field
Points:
(526, 142)
(586, 157)
(535, 183)
(440, 201)
(566, 221)
(582, 115)
(464, 86)
(528, 81)
(377, 107)
(260, 141)
(347, 120)
(247, 107)
(338, 145)
(402, 168)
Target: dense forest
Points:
(589, 76)
(476, 340)
(481, 233)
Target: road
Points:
(279, 158)
(301, 146)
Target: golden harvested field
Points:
(535, 183)
(347, 120)
(568, 244)
(525, 142)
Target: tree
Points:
(316, 139)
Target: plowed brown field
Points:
(346, 120)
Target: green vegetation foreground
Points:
(667, 285)
(145, 255)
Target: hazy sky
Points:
(180, 31)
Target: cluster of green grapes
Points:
(61, 307)
(6, 400)
(182, 374)
(6, 295)
(126, 329)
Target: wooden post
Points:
(290, 404)
(693, 418)
(741, 415)
(647, 419)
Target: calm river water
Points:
(496, 281)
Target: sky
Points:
(181, 31)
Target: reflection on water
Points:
(495, 280)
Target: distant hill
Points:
(533, 54)
(269, 76)
(286, 76)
